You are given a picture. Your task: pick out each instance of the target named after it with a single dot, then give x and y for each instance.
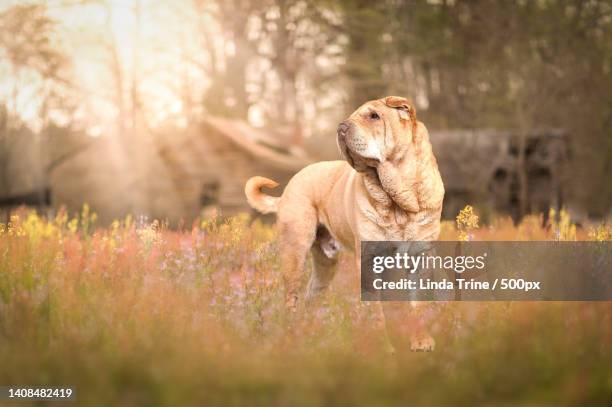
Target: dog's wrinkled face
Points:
(377, 131)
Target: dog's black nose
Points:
(343, 127)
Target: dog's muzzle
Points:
(343, 128)
(341, 137)
(354, 147)
(343, 133)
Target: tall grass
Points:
(136, 314)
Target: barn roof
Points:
(259, 143)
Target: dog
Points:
(388, 188)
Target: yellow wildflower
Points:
(467, 221)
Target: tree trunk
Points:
(521, 162)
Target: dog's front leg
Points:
(420, 339)
(404, 321)
(379, 315)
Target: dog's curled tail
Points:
(257, 199)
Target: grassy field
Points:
(135, 314)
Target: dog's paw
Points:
(291, 303)
(422, 343)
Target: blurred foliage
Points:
(26, 40)
(37, 67)
(302, 64)
(136, 314)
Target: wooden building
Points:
(208, 166)
(480, 167)
(177, 175)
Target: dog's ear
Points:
(404, 107)
(397, 101)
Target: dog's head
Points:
(378, 131)
(383, 137)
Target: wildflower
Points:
(149, 235)
(73, 225)
(601, 233)
(562, 229)
(88, 218)
(467, 221)
(14, 226)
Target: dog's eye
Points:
(374, 116)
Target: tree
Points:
(35, 68)
(364, 23)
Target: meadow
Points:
(139, 314)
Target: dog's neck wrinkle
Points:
(412, 180)
(390, 215)
(378, 196)
(395, 222)
(400, 188)
(400, 181)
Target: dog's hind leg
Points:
(324, 251)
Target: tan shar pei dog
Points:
(389, 188)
